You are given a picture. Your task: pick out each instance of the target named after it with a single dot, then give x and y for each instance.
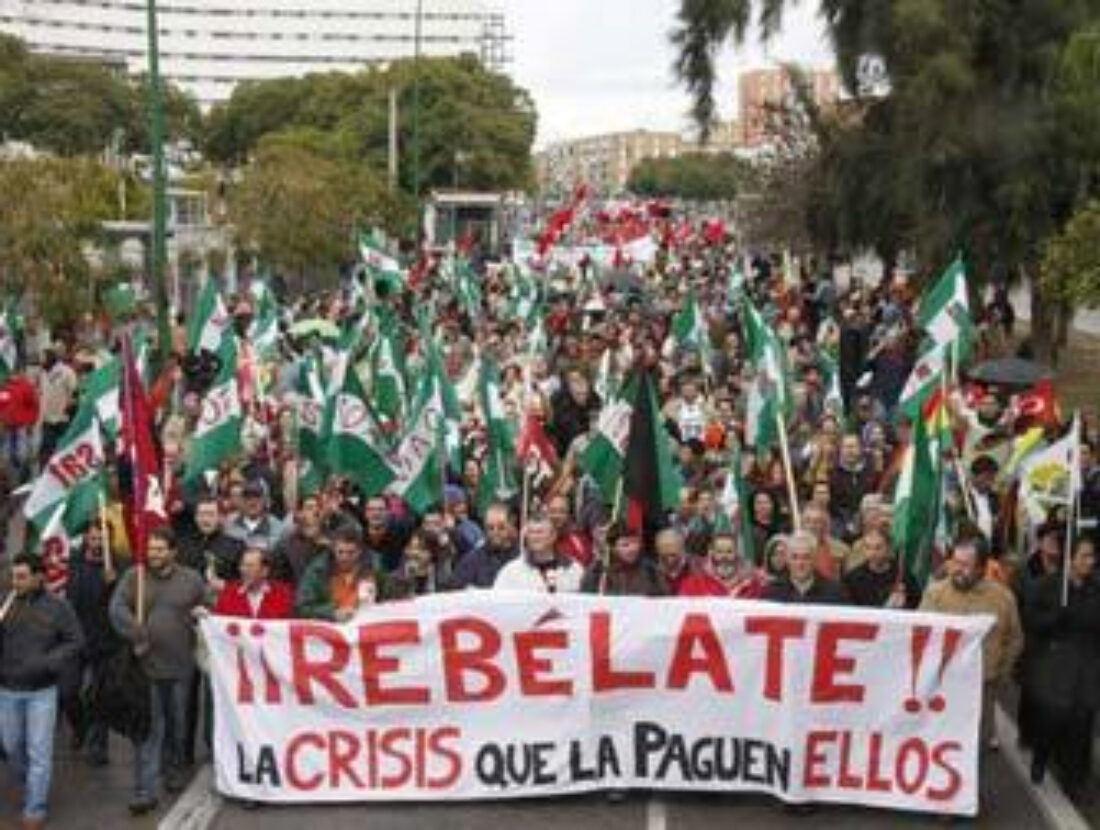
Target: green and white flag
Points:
(217, 435)
(689, 328)
(925, 380)
(420, 458)
(498, 475)
(210, 323)
(524, 295)
(945, 309)
(264, 331)
(605, 379)
(830, 377)
(10, 325)
(605, 455)
(73, 476)
(381, 267)
(101, 391)
(356, 447)
(309, 414)
(769, 394)
(736, 509)
(916, 504)
(387, 375)
(467, 288)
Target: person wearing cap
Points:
(625, 570)
(725, 573)
(539, 567)
(466, 534)
(255, 518)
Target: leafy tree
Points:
(299, 210)
(695, 176)
(978, 146)
(49, 210)
(75, 107)
(1071, 260)
(475, 125)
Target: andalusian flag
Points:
(217, 435)
(356, 446)
(498, 475)
(631, 457)
(916, 504)
(421, 456)
(10, 325)
(264, 331)
(309, 418)
(945, 309)
(100, 390)
(467, 288)
(524, 295)
(211, 321)
(769, 394)
(382, 269)
(736, 508)
(925, 382)
(73, 476)
(689, 328)
(387, 367)
(604, 456)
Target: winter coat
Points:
(1063, 669)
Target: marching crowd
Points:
(811, 519)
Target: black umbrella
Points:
(1009, 371)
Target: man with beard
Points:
(726, 573)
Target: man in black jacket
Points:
(479, 567)
(40, 635)
(209, 544)
(88, 590)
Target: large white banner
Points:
(491, 695)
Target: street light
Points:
(419, 23)
(156, 140)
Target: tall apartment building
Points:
(761, 90)
(208, 46)
(603, 162)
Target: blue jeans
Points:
(27, 721)
(166, 735)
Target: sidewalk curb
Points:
(197, 807)
(1059, 812)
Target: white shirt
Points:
(521, 575)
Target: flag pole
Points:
(606, 552)
(792, 491)
(108, 565)
(1073, 507)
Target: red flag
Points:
(535, 451)
(145, 509)
(1037, 406)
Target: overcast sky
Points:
(601, 65)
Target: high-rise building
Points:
(208, 46)
(761, 91)
(602, 162)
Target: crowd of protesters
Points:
(256, 543)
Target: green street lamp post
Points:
(159, 252)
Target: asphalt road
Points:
(1005, 804)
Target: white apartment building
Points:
(208, 46)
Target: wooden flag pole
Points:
(139, 611)
(108, 565)
(788, 473)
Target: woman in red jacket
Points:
(255, 596)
